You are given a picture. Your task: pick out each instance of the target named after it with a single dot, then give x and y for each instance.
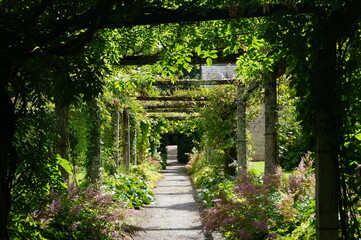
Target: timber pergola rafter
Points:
(172, 98)
(180, 104)
(175, 110)
(177, 118)
(107, 14)
(138, 60)
(190, 14)
(183, 104)
(194, 82)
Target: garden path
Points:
(174, 215)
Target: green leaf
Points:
(213, 56)
(64, 163)
(209, 61)
(227, 50)
(198, 50)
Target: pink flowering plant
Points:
(84, 214)
(264, 207)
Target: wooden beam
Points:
(172, 114)
(152, 59)
(176, 105)
(178, 117)
(175, 110)
(194, 82)
(190, 14)
(168, 98)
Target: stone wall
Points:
(256, 128)
(218, 71)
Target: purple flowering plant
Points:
(81, 214)
(264, 207)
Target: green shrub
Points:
(185, 145)
(132, 190)
(164, 157)
(209, 176)
(291, 149)
(210, 195)
(305, 231)
(148, 171)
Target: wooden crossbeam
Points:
(178, 117)
(175, 110)
(171, 98)
(172, 114)
(194, 82)
(176, 105)
(152, 59)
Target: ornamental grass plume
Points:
(85, 214)
(302, 181)
(247, 216)
(286, 206)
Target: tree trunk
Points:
(271, 145)
(327, 128)
(62, 130)
(94, 162)
(126, 135)
(7, 153)
(241, 129)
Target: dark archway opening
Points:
(184, 142)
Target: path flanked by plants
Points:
(175, 212)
